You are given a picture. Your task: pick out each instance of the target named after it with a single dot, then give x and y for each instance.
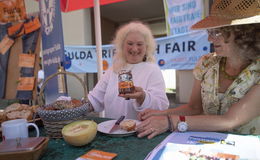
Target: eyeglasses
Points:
(214, 33)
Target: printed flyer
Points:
(206, 145)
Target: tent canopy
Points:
(71, 5)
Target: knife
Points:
(116, 125)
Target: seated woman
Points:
(225, 94)
(135, 49)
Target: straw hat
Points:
(230, 12)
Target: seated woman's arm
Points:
(194, 106)
(239, 113)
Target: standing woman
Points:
(226, 90)
(135, 49)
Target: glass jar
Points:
(125, 82)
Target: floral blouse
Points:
(207, 71)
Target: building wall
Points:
(108, 29)
(184, 83)
(77, 27)
(31, 6)
(77, 30)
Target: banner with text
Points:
(182, 14)
(179, 52)
(52, 45)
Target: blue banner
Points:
(84, 58)
(52, 44)
(179, 52)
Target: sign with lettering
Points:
(15, 28)
(5, 44)
(26, 60)
(52, 45)
(182, 14)
(12, 11)
(26, 83)
(84, 58)
(173, 52)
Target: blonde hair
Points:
(119, 59)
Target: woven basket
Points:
(55, 120)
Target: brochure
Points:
(97, 155)
(206, 145)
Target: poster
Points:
(12, 11)
(52, 45)
(180, 15)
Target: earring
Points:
(144, 58)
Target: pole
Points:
(98, 37)
(98, 42)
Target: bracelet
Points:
(170, 124)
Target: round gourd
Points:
(80, 132)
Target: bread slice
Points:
(128, 125)
(24, 114)
(13, 107)
(2, 116)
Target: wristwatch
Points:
(182, 125)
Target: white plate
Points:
(104, 127)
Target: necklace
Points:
(222, 69)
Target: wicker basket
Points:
(55, 120)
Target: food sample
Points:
(18, 111)
(23, 114)
(128, 125)
(64, 104)
(2, 116)
(14, 107)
